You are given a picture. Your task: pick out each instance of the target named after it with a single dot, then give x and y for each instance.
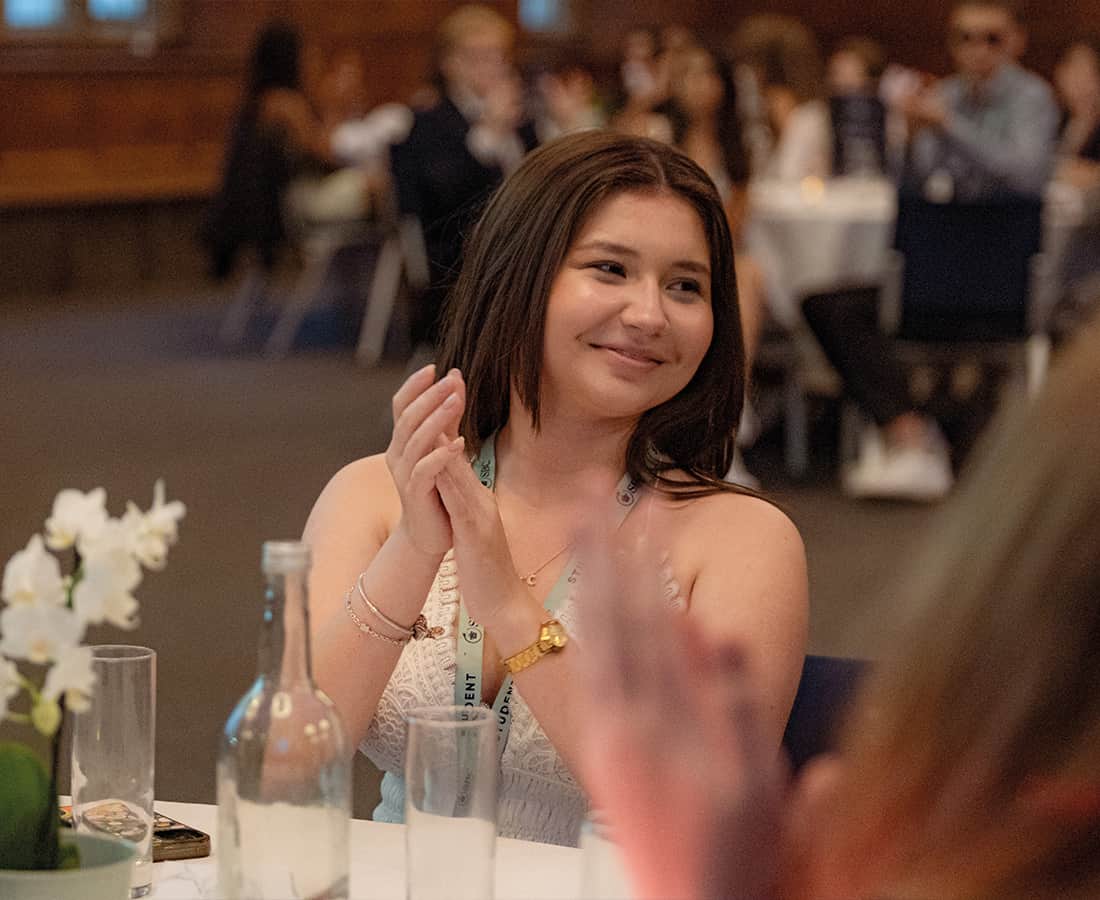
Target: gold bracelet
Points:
(396, 626)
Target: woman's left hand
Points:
(490, 585)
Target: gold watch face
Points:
(553, 636)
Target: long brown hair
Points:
(496, 313)
(985, 718)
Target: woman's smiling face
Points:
(629, 315)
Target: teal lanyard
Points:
(470, 651)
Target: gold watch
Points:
(552, 638)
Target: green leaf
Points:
(28, 809)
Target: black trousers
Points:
(846, 325)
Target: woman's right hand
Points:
(426, 416)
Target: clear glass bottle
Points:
(284, 769)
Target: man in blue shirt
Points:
(989, 131)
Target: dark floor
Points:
(121, 393)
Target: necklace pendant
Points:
(529, 580)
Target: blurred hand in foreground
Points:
(676, 761)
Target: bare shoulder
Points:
(360, 498)
(735, 520)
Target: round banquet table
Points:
(816, 235)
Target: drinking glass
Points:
(603, 872)
(450, 803)
(113, 746)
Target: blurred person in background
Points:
(1077, 78)
(984, 135)
(459, 149)
(278, 136)
(858, 116)
(566, 97)
(988, 131)
(967, 769)
(705, 123)
(783, 55)
(1076, 187)
(643, 86)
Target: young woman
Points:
(968, 770)
(591, 369)
(276, 137)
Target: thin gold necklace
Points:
(529, 579)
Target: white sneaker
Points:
(919, 472)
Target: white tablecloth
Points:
(813, 236)
(524, 870)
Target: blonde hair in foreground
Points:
(972, 763)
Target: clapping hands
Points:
(443, 503)
(425, 439)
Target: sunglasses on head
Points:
(989, 38)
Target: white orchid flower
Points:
(38, 633)
(163, 518)
(71, 675)
(33, 576)
(75, 515)
(9, 685)
(105, 592)
(156, 530)
(113, 536)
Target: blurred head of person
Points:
(984, 35)
(473, 50)
(276, 59)
(638, 68)
(496, 329)
(1077, 77)
(783, 55)
(703, 95)
(342, 87)
(855, 67)
(970, 766)
(567, 92)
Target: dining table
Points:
(524, 870)
(816, 235)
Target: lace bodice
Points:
(539, 800)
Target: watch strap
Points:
(552, 638)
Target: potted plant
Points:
(45, 670)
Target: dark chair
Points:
(824, 694)
(969, 282)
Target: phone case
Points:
(171, 839)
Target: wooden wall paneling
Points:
(94, 123)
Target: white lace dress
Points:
(538, 799)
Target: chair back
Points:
(825, 692)
(967, 268)
(859, 135)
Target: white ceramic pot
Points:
(104, 873)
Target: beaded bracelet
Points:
(419, 630)
(366, 629)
